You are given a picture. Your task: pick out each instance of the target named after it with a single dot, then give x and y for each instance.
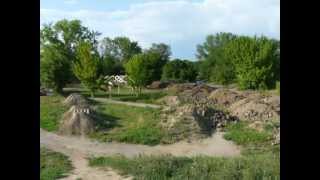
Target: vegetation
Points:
(58, 43)
(144, 68)
(179, 70)
(55, 69)
(132, 125)
(53, 165)
(251, 62)
(243, 135)
(214, 64)
(51, 111)
(86, 67)
(264, 166)
(255, 61)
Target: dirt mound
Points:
(257, 107)
(76, 100)
(77, 121)
(225, 97)
(158, 85)
(191, 121)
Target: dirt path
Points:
(106, 100)
(78, 149)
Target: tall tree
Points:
(67, 35)
(214, 65)
(86, 67)
(163, 49)
(55, 68)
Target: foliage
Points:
(214, 64)
(255, 61)
(162, 49)
(118, 51)
(53, 165)
(179, 70)
(51, 111)
(142, 69)
(54, 68)
(64, 36)
(86, 67)
(265, 166)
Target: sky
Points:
(182, 24)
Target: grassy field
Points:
(51, 110)
(53, 165)
(128, 124)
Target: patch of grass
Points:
(243, 135)
(265, 166)
(53, 165)
(129, 124)
(51, 110)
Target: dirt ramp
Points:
(77, 121)
(76, 100)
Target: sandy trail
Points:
(79, 148)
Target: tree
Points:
(142, 69)
(119, 49)
(179, 70)
(255, 60)
(55, 69)
(67, 35)
(163, 49)
(86, 67)
(214, 65)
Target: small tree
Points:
(86, 67)
(142, 69)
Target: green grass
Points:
(51, 110)
(128, 124)
(53, 165)
(265, 166)
(243, 135)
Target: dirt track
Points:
(78, 149)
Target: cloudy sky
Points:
(180, 23)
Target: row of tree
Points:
(70, 52)
(251, 62)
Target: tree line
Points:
(71, 52)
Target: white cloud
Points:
(182, 24)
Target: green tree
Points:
(118, 51)
(255, 60)
(142, 69)
(55, 69)
(163, 49)
(179, 70)
(67, 35)
(214, 65)
(86, 67)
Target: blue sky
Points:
(180, 23)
